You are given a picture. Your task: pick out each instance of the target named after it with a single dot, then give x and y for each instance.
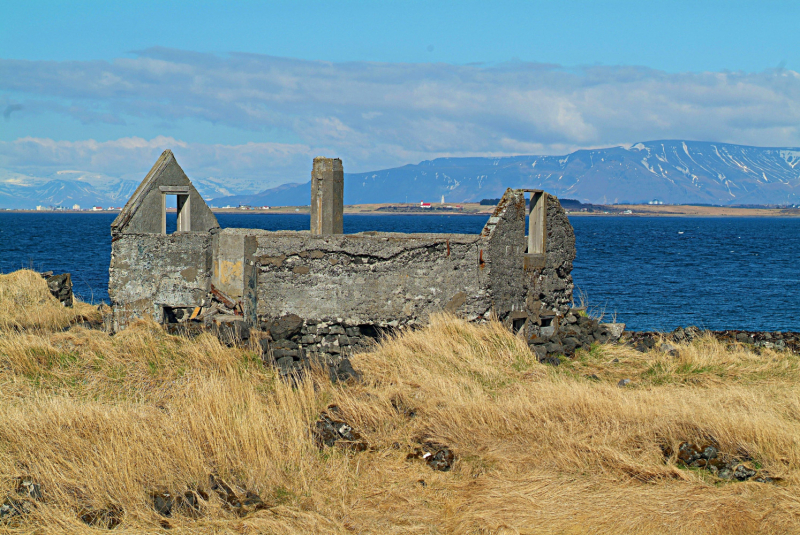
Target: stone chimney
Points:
(327, 196)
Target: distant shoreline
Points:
(474, 209)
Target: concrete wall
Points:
(371, 278)
(234, 268)
(150, 271)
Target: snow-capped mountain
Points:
(670, 171)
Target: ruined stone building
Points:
(339, 288)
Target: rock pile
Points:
(193, 503)
(330, 432)
(108, 517)
(60, 286)
(565, 335)
(437, 456)
(708, 457)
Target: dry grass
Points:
(26, 304)
(101, 420)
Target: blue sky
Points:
(249, 91)
(673, 36)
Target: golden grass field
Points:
(103, 421)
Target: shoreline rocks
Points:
(779, 341)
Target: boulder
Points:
(286, 327)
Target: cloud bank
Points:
(377, 115)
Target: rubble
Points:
(437, 456)
(108, 517)
(330, 432)
(757, 340)
(724, 466)
(28, 493)
(60, 286)
(565, 335)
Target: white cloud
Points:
(376, 115)
(251, 166)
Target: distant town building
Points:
(40, 208)
(97, 208)
(442, 200)
(265, 207)
(656, 201)
(423, 204)
(76, 206)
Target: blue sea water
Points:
(651, 273)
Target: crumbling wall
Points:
(151, 271)
(549, 288)
(348, 288)
(503, 257)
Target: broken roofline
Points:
(145, 211)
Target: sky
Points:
(247, 93)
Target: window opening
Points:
(537, 224)
(175, 213)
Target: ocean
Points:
(652, 273)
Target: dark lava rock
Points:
(552, 361)
(343, 371)
(189, 504)
(540, 352)
(231, 330)
(27, 487)
(163, 502)
(223, 490)
(108, 517)
(330, 432)
(286, 327)
(708, 457)
(241, 506)
(437, 456)
(742, 473)
(28, 493)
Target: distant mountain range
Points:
(670, 171)
(20, 191)
(675, 172)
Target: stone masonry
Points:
(336, 291)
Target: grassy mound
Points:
(102, 423)
(26, 304)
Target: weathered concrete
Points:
(327, 196)
(145, 211)
(149, 272)
(380, 278)
(342, 290)
(235, 270)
